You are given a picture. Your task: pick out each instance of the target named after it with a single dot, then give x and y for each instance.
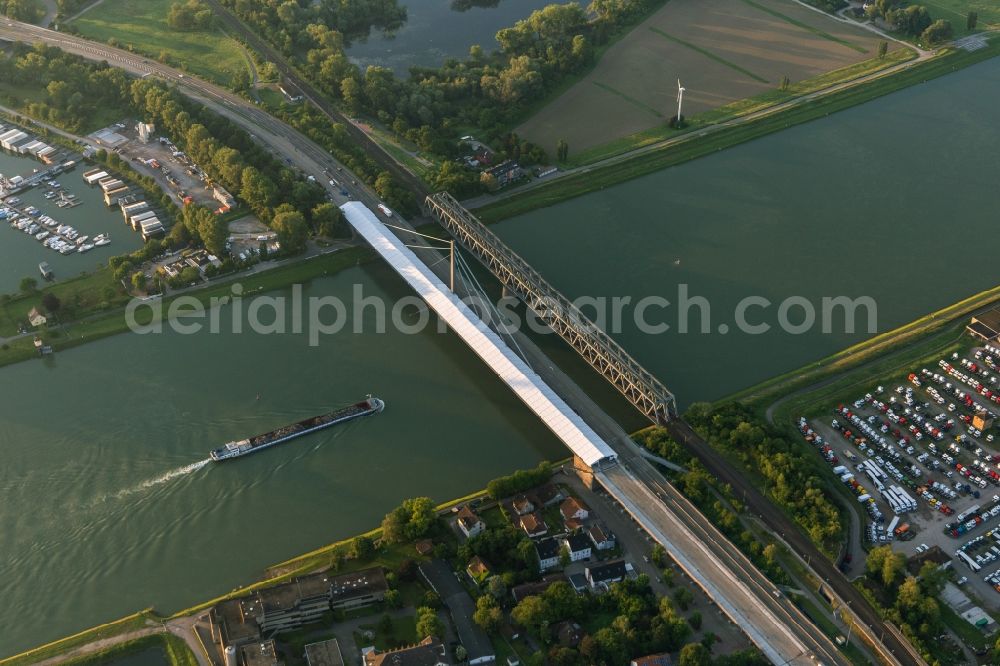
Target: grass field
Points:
(721, 50)
(956, 11)
(142, 25)
(580, 183)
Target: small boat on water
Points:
(244, 447)
(86, 247)
(44, 269)
(82, 239)
(41, 235)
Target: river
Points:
(896, 199)
(20, 254)
(109, 506)
(109, 503)
(436, 30)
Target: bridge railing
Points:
(637, 384)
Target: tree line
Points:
(790, 475)
(485, 90)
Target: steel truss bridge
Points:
(598, 349)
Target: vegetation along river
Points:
(108, 506)
(897, 200)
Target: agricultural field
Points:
(957, 11)
(721, 50)
(142, 25)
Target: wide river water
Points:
(20, 253)
(108, 506)
(896, 199)
(108, 503)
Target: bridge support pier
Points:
(584, 472)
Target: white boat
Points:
(41, 235)
(82, 239)
(86, 247)
(67, 249)
(102, 242)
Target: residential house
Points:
(533, 525)
(36, 318)
(601, 537)
(652, 660)
(522, 505)
(573, 508)
(358, 589)
(478, 570)
(567, 633)
(523, 590)
(506, 172)
(469, 523)
(578, 545)
(549, 494)
(548, 551)
(603, 575)
(428, 652)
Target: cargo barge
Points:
(245, 447)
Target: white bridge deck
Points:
(525, 382)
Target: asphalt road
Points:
(386, 161)
(778, 522)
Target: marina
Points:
(52, 218)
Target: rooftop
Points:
(259, 654)
(547, 549)
(429, 652)
(578, 542)
(534, 589)
(607, 572)
(652, 660)
(990, 318)
(287, 595)
(358, 583)
(570, 507)
(326, 653)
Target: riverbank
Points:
(112, 322)
(632, 165)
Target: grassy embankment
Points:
(173, 649)
(134, 622)
(107, 316)
(141, 26)
(618, 171)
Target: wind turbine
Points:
(680, 100)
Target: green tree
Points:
(256, 189)
(362, 548)
(562, 150)
(785, 82)
(428, 623)
(393, 599)
(329, 220)
(683, 597)
(695, 620)
(530, 612)
(937, 32)
(51, 302)
(694, 654)
(883, 48)
(971, 20)
(139, 281)
(291, 229)
(28, 284)
(488, 614)
(385, 625)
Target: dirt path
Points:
(99, 645)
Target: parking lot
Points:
(921, 457)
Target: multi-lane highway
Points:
(664, 512)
